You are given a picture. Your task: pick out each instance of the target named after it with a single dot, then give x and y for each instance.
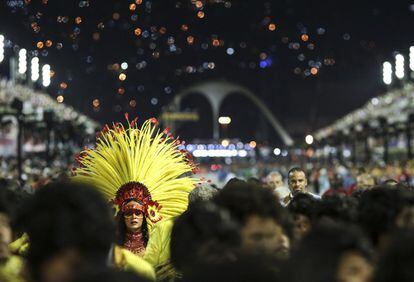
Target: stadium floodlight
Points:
(387, 73)
(309, 139)
(1, 47)
(34, 68)
(22, 61)
(224, 120)
(399, 66)
(46, 75)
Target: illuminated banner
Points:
(180, 116)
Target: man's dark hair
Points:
(328, 242)
(67, 215)
(202, 234)
(303, 204)
(251, 267)
(295, 169)
(337, 208)
(245, 199)
(378, 209)
(396, 263)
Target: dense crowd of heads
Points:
(243, 231)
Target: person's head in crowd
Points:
(249, 267)
(68, 224)
(274, 180)
(265, 225)
(335, 180)
(204, 233)
(365, 181)
(331, 252)
(302, 209)
(336, 208)
(202, 192)
(396, 262)
(254, 180)
(390, 182)
(297, 180)
(381, 210)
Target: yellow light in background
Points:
(201, 14)
(138, 31)
(60, 99)
(252, 144)
(122, 76)
(225, 142)
(304, 37)
(272, 27)
(96, 103)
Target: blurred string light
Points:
(46, 75)
(387, 73)
(277, 152)
(22, 61)
(34, 69)
(399, 66)
(411, 58)
(1, 48)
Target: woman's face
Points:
(133, 217)
(353, 267)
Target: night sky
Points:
(310, 61)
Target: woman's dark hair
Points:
(328, 242)
(122, 229)
(303, 204)
(337, 208)
(244, 199)
(396, 263)
(379, 207)
(204, 233)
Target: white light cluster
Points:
(387, 73)
(309, 139)
(1, 48)
(399, 66)
(277, 152)
(46, 75)
(34, 68)
(22, 61)
(219, 153)
(224, 120)
(412, 58)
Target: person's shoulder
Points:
(127, 260)
(315, 196)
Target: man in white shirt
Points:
(298, 183)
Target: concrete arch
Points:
(217, 91)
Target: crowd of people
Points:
(134, 211)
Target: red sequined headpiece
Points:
(138, 192)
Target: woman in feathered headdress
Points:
(143, 172)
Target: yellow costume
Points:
(144, 165)
(158, 250)
(20, 246)
(125, 260)
(11, 269)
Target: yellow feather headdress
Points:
(142, 163)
